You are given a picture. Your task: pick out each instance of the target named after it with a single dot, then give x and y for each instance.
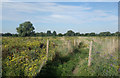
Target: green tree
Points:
(54, 33)
(82, 34)
(117, 33)
(92, 34)
(49, 33)
(41, 34)
(87, 34)
(7, 34)
(25, 29)
(15, 35)
(60, 34)
(70, 33)
(77, 34)
(104, 34)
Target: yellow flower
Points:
(35, 67)
(5, 46)
(7, 63)
(25, 64)
(12, 59)
(30, 68)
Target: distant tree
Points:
(64, 34)
(77, 34)
(87, 34)
(7, 34)
(54, 33)
(104, 34)
(96, 34)
(82, 34)
(117, 33)
(108, 34)
(70, 33)
(92, 34)
(49, 33)
(101, 34)
(15, 35)
(112, 34)
(41, 34)
(60, 34)
(37, 34)
(25, 29)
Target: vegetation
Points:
(27, 29)
(42, 34)
(23, 56)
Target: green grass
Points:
(64, 65)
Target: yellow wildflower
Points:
(30, 68)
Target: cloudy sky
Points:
(60, 0)
(61, 16)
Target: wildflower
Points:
(111, 55)
(97, 52)
(111, 65)
(5, 46)
(25, 64)
(30, 69)
(119, 69)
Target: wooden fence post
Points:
(90, 50)
(113, 45)
(74, 43)
(69, 46)
(47, 48)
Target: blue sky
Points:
(61, 16)
(60, 0)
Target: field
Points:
(59, 56)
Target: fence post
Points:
(47, 48)
(74, 43)
(69, 46)
(90, 50)
(113, 46)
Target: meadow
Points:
(59, 56)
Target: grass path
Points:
(64, 66)
(76, 68)
(75, 71)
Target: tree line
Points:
(27, 29)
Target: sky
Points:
(60, 0)
(61, 16)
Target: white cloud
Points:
(57, 16)
(43, 7)
(54, 13)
